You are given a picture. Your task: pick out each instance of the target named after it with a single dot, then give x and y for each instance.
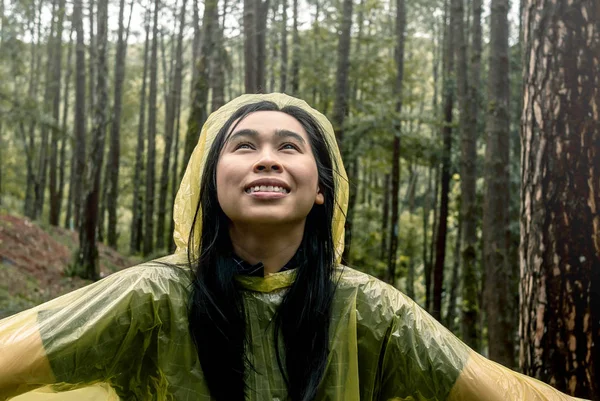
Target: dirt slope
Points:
(33, 260)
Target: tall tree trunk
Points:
(341, 104)
(65, 133)
(284, 47)
(470, 287)
(92, 53)
(114, 156)
(175, 174)
(454, 281)
(498, 288)
(198, 113)
(172, 101)
(49, 92)
(560, 205)
(274, 50)
(218, 61)
(196, 43)
(442, 227)
(137, 208)
(410, 243)
(55, 198)
(385, 216)
(399, 56)
(151, 150)
(295, 50)
(87, 254)
(262, 10)
(79, 148)
(426, 249)
(250, 46)
(29, 142)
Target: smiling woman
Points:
(254, 304)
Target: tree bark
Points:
(137, 208)
(65, 133)
(273, 44)
(399, 56)
(295, 50)
(79, 148)
(55, 198)
(341, 105)
(262, 10)
(49, 92)
(92, 53)
(250, 46)
(198, 113)
(86, 264)
(498, 288)
(218, 61)
(151, 149)
(442, 226)
(560, 187)
(284, 48)
(114, 156)
(470, 280)
(172, 101)
(385, 216)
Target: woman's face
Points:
(266, 173)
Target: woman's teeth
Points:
(266, 188)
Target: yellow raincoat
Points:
(126, 336)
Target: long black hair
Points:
(217, 317)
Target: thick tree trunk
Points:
(87, 254)
(295, 50)
(470, 280)
(341, 104)
(262, 10)
(442, 226)
(114, 156)
(172, 101)
(65, 135)
(399, 56)
(198, 113)
(560, 205)
(92, 54)
(55, 198)
(250, 46)
(36, 56)
(410, 243)
(218, 61)
(284, 48)
(385, 216)
(454, 281)
(151, 149)
(79, 148)
(274, 50)
(49, 92)
(137, 208)
(498, 288)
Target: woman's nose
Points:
(267, 163)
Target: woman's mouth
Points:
(267, 189)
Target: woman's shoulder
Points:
(371, 292)
(166, 276)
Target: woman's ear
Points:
(319, 199)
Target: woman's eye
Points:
(289, 146)
(243, 145)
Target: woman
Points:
(267, 312)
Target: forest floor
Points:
(34, 260)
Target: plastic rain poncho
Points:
(126, 336)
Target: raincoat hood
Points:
(189, 190)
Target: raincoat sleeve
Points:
(103, 333)
(425, 361)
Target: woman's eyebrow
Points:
(246, 132)
(283, 133)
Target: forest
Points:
(470, 132)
